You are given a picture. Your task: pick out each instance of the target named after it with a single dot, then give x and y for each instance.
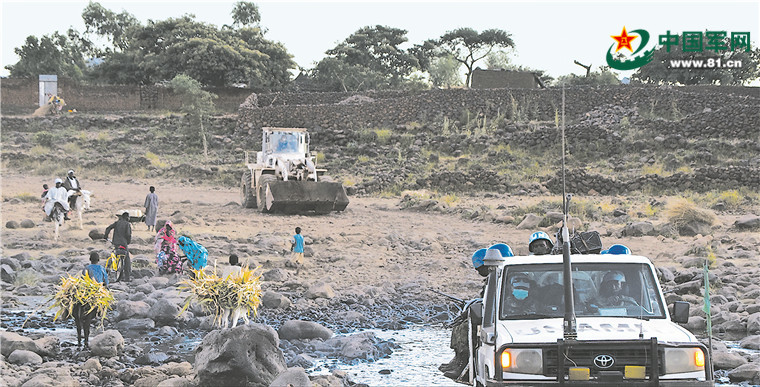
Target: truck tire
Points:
(248, 198)
(264, 180)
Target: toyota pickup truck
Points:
(622, 333)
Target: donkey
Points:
(83, 319)
(57, 215)
(236, 314)
(81, 204)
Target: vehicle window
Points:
(536, 291)
(490, 299)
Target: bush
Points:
(44, 138)
(683, 211)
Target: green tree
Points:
(196, 102)
(498, 60)
(468, 46)
(660, 70)
(444, 72)
(245, 13)
(369, 58)
(51, 54)
(109, 25)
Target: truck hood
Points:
(592, 328)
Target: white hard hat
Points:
(70, 171)
(58, 181)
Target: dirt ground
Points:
(373, 243)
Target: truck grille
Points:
(584, 355)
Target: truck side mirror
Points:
(680, 312)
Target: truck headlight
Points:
(522, 361)
(679, 360)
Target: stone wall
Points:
(491, 79)
(20, 96)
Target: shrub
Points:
(26, 197)
(682, 211)
(44, 138)
(383, 135)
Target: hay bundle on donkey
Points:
(83, 298)
(237, 295)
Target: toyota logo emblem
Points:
(604, 361)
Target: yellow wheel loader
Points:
(285, 179)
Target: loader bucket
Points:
(295, 197)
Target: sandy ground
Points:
(372, 243)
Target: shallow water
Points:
(414, 363)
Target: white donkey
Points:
(56, 215)
(82, 203)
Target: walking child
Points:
(296, 246)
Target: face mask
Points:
(520, 294)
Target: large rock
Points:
(753, 323)
(107, 344)
(48, 346)
(292, 377)
(96, 234)
(247, 355)
(274, 300)
(10, 341)
(530, 222)
(300, 330)
(22, 356)
(637, 229)
(694, 228)
(135, 324)
(7, 274)
(27, 223)
(748, 221)
(320, 290)
(131, 309)
(724, 360)
(749, 372)
(11, 224)
(51, 377)
(175, 381)
(364, 345)
(751, 342)
(164, 311)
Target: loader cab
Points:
(290, 142)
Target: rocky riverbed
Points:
(371, 266)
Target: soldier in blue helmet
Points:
(539, 243)
(477, 262)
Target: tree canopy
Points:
(467, 46)
(51, 54)
(370, 58)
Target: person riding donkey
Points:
(71, 183)
(57, 194)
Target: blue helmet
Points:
(477, 258)
(617, 250)
(505, 250)
(537, 236)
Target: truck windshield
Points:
(285, 142)
(599, 289)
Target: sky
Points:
(548, 35)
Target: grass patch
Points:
(39, 150)
(362, 158)
(383, 135)
(27, 197)
(683, 211)
(320, 157)
(71, 149)
(155, 161)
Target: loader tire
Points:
(248, 196)
(262, 194)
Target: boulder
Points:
(300, 330)
(107, 344)
(176, 381)
(51, 377)
(694, 228)
(27, 223)
(247, 355)
(320, 290)
(92, 365)
(145, 288)
(152, 358)
(753, 323)
(275, 275)
(22, 356)
(11, 224)
(748, 221)
(126, 309)
(530, 222)
(96, 234)
(164, 311)
(638, 229)
(749, 372)
(292, 377)
(751, 342)
(48, 346)
(7, 274)
(177, 369)
(10, 341)
(274, 300)
(724, 360)
(364, 345)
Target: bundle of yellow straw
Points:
(215, 294)
(82, 290)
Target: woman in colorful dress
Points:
(167, 259)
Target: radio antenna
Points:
(569, 322)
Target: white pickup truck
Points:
(628, 339)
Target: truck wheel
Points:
(248, 200)
(262, 196)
